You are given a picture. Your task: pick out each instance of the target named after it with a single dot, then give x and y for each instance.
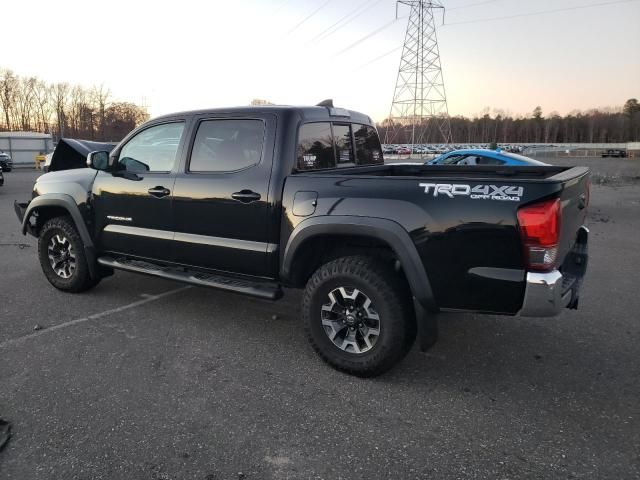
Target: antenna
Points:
(419, 111)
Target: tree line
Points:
(64, 110)
(610, 125)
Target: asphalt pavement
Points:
(143, 378)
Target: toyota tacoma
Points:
(254, 199)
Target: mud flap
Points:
(427, 322)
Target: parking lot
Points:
(143, 378)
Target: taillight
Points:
(540, 233)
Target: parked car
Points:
(6, 164)
(254, 199)
(403, 151)
(614, 152)
(483, 157)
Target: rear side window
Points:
(227, 145)
(344, 145)
(325, 145)
(368, 149)
(315, 147)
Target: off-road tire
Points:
(80, 280)
(389, 293)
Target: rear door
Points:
(221, 205)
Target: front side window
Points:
(315, 147)
(153, 149)
(368, 149)
(227, 145)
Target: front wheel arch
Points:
(51, 205)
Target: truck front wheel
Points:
(62, 256)
(358, 315)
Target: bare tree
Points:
(8, 92)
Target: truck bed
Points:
(461, 172)
(463, 220)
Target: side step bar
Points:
(269, 291)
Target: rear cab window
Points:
(323, 145)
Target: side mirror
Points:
(98, 160)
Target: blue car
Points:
(483, 157)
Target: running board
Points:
(269, 291)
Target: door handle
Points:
(159, 192)
(246, 196)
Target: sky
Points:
(173, 56)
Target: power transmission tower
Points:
(419, 107)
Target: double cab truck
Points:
(255, 199)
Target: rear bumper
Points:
(543, 296)
(547, 294)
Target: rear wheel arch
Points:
(320, 239)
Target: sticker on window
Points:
(309, 160)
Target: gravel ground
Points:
(145, 379)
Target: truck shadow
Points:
(478, 355)
(505, 357)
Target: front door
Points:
(133, 201)
(221, 196)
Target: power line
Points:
(351, 19)
(369, 35)
(309, 16)
(379, 57)
(543, 12)
(340, 20)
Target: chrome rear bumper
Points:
(547, 294)
(543, 295)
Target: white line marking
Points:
(147, 299)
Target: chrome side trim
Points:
(543, 295)
(232, 243)
(138, 231)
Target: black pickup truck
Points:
(251, 200)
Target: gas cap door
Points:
(304, 203)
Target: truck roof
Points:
(306, 113)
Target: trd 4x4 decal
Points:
(479, 192)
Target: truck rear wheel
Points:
(358, 315)
(62, 257)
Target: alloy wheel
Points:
(350, 320)
(61, 256)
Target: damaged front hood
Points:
(71, 153)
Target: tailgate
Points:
(574, 198)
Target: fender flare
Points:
(386, 230)
(66, 202)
